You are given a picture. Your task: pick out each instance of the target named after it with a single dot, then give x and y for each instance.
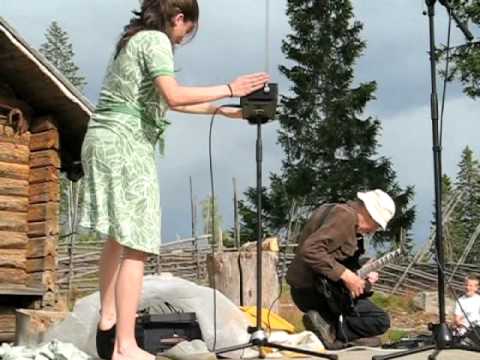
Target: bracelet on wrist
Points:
(230, 89)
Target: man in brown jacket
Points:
(331, 239)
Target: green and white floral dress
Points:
(120, 193)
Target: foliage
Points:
(466, 58)
(59, 51)
(330, 146)
(466, 216)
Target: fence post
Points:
(235, 215)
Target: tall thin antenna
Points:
(267, 41)
(267, 35)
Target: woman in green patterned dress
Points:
(121, 193)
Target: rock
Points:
(427, 301)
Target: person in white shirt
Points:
(467, 308)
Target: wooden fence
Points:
(188, 259)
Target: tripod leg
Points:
(301, 351)
(434, 355)
(403, 353)
(233, 348)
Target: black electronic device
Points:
(154, 333)
(261, 105)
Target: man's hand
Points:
(355, 284)
(372, 277)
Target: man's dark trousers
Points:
(368, 319)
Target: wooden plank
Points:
(11, 221)
(44, 192)
(12, 276)
(42, 279)
(45, 140)
(8, 135)
(41, 264)
(13, 187)
(13, 240)
(14, 171)
(14, 153)
(43, 228)
(12, 259)
(44, 174)
(44, 158)
(14, 203)
(42, 246)
(43, 123)
(45, 211)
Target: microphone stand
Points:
(441, 333)
(258, 336)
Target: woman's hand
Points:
(231, 112)
(247, 84)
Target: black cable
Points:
(445, 78)
(212, 188)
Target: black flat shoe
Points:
(105, 340)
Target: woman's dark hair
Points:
(157, 15)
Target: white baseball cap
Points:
(379, 205)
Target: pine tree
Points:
(466, 216)
(466, 58)
(330, 146)
(59, 51)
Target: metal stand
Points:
(441, 333)
(258, 336)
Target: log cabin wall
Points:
(14, 202)
(43, 211)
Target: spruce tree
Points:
(466, 216)
(330, 145)
(466, 58)
(59, 51)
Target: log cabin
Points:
(43, 119)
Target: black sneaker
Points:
(320, 327)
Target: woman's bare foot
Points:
(106, 324)
(132, 352)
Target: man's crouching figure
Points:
(329, 241)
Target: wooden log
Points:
(41, 264)
(46, 211)
(7, 319)
(8, 135)
(45, 140)
(44, 192)
(14, 171)
(12, 259)
(44, 158)
(227, 267)
(14, 153)
(12, 221)
(42, 279)
(43, 228)
(44, 174)
(13, 187)
(13, 203)
(13, 240)
(49, 299)
(42, 246)
(43, 123)
(12, 276)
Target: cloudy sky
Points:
(231, 42)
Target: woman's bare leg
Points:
(127, 294)
(109, 267)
